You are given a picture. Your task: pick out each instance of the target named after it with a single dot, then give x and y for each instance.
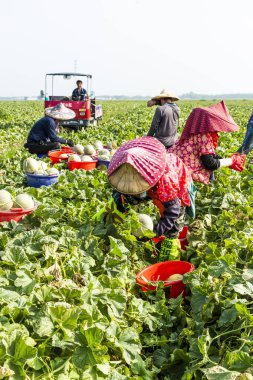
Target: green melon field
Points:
(69, 305)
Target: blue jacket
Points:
(44, 130)
(76, 93)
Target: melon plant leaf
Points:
(220, 373)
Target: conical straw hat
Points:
(127, 180)
(60, 112)
(166, 94)
(145, 158)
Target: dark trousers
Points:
(40, 147)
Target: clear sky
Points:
(131, 47)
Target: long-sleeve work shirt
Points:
(44, 130)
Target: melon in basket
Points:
(24, 201)
(89, 150)
(98, 145)
(74, 157)
(5, 200)
(52, 171)
(30, 165)
(42, 165)
(63, 156)
(104, 158)
(104, 152)
(79, 149)
(86, 158)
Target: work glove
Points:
(170, 250)
(238, 161)
(70, 143)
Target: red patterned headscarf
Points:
(207, 120)
(146, 154)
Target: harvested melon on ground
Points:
(24, 201)
(79, 149)
(30, 165)
(146, 225)
(74, 157)
(89, 150)
(6, 202)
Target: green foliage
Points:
(69, 306)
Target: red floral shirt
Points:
(191, 149)
(174, 182)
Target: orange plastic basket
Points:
(15, 214)
(72, 165)
(149, 277)
(55, 154)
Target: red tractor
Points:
(87, 111)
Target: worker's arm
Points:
(170, 216)
(51, 133)
(122, 200)
(155, 122)
(210, 161)
(118, 199)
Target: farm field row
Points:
(69, 306)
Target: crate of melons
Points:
(85, 162)
(38, 173)
(15, 208)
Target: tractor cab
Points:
(59, 88)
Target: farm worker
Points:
(140, 170)
(43, 135)
(165, 121)
(247, 144)
(199, 141)
(79, 93)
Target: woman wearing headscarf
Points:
(199, 141)
(141, 169)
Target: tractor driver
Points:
(79, 93)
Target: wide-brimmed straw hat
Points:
(127, 180)
(137, 165)
(60, 112)
(164, 94)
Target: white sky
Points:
(131, 47)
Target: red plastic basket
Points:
(183, 237)
(54, 155)
(67, 149)
(72, 165)
(15, 214)
(160, 272)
